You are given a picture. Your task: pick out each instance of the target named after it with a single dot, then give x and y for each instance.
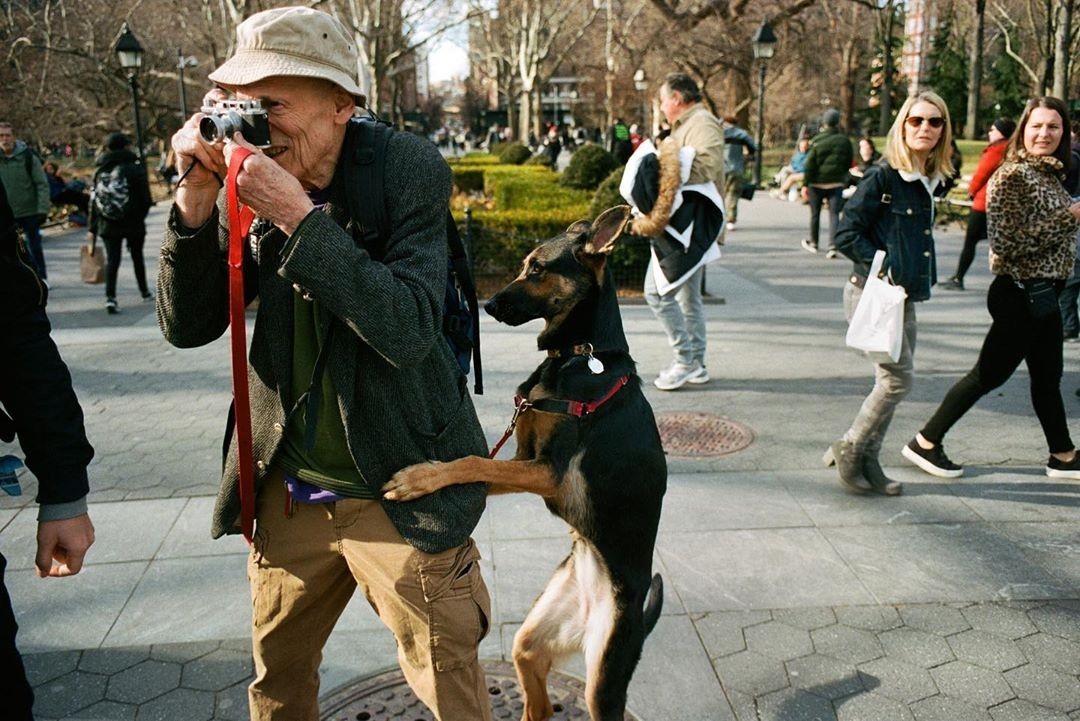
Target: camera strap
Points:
(240, 219)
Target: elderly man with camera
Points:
(350, 379)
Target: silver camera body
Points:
(225, 117)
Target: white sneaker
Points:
(676, 376)
(731, 226)
(701, 378)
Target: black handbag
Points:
(747, 191)
(1042, 296)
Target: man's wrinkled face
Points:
(7, 139)
(671, 103)
(302, 115)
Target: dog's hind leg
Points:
(552, 629)
(614, 637)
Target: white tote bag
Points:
(877, 325)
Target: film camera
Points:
(225, 117)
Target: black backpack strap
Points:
(365, 162)
(459, 259)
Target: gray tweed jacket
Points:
(402, 396)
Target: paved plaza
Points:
(785, 598)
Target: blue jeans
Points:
(681, 313)
(32, 232)
(892, 382)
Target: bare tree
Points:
(1062, 45)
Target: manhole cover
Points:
(387, 697)
(701, 434)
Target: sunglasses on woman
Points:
(915, 121)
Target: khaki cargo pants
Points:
(303, 570)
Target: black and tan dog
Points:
(587, 443)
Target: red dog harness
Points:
(578, 409)
(240, 219)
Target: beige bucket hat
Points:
(291, 41)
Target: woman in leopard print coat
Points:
(1032, 226)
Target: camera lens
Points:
(216, 128)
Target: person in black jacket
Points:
(40, 407)
(892, 210)
(118, 211)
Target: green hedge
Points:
(469, 179)
(588, 167)
(514, 154)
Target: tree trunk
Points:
(526, 117)
(974, 100)
(847, 84)
(1048, 50)
(1061, 50)
(885, 120)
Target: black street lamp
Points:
(764, 44)
(184, 62)
(130, 54)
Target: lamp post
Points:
(764, 44)
(641, 84)
(184, 62)
(130, 54)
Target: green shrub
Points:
(607, 195)
(530, 187)
(473, 157)
(541, 159)
(514, 154)
(468, 179)
(495, 148)
(588, 167)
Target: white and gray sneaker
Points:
(701, 378)
(677, 375)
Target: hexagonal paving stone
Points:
(806, 618)
(940, 620)
(791, 703)
(184, 652)
(872, 707)
(979, 686)
(914, 646)
(232, 704)
(44, 667)
(144, 681)
(869, 618)
(1044, 686)
(68, 693)
(180, 704)
(111, 660)
(824, 676)
(722, 632)
(216, 671)
(751, 672)
(987, 650)
(1002, 620)
(1020, 710)
(108, 711)
(1057, 618)
(945, 708)
(1054, 651)
(847, 644)
(897, 680)
(778, 640)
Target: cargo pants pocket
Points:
(458, 606)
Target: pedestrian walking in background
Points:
(121, 201)
(40, 406)
(27, 189)
(892, 210)
(367, 326)
(991, 159)
(827, 166)
(1032, 224)
(620, 145)
(679, 306)
(553, 146)
(739, 147)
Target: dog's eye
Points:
(535, 270)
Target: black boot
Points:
(848, 466)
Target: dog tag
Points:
(595, 365)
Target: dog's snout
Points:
(492, 307)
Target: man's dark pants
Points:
(18, 696)
(835, 198)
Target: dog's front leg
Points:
(503, 476)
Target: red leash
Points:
(240, 219)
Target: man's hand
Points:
(197, 194)
(61, 545)
(805, 193)
(267, 188)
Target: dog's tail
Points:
(654, 603)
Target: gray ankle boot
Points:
(881, 483)
(848, 466)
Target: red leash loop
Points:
(520, 406)
(240, 219)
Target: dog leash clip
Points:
(595, 366)
(521, 404)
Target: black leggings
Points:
(1015, 335)
(976, 231)
(114, 254)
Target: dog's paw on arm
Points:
(415, 481)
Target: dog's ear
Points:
(607, 229)
(579, 228)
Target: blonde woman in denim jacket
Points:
(892, 210)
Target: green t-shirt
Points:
(329, 464)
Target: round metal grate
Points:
(387, 697)
(701, 434)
